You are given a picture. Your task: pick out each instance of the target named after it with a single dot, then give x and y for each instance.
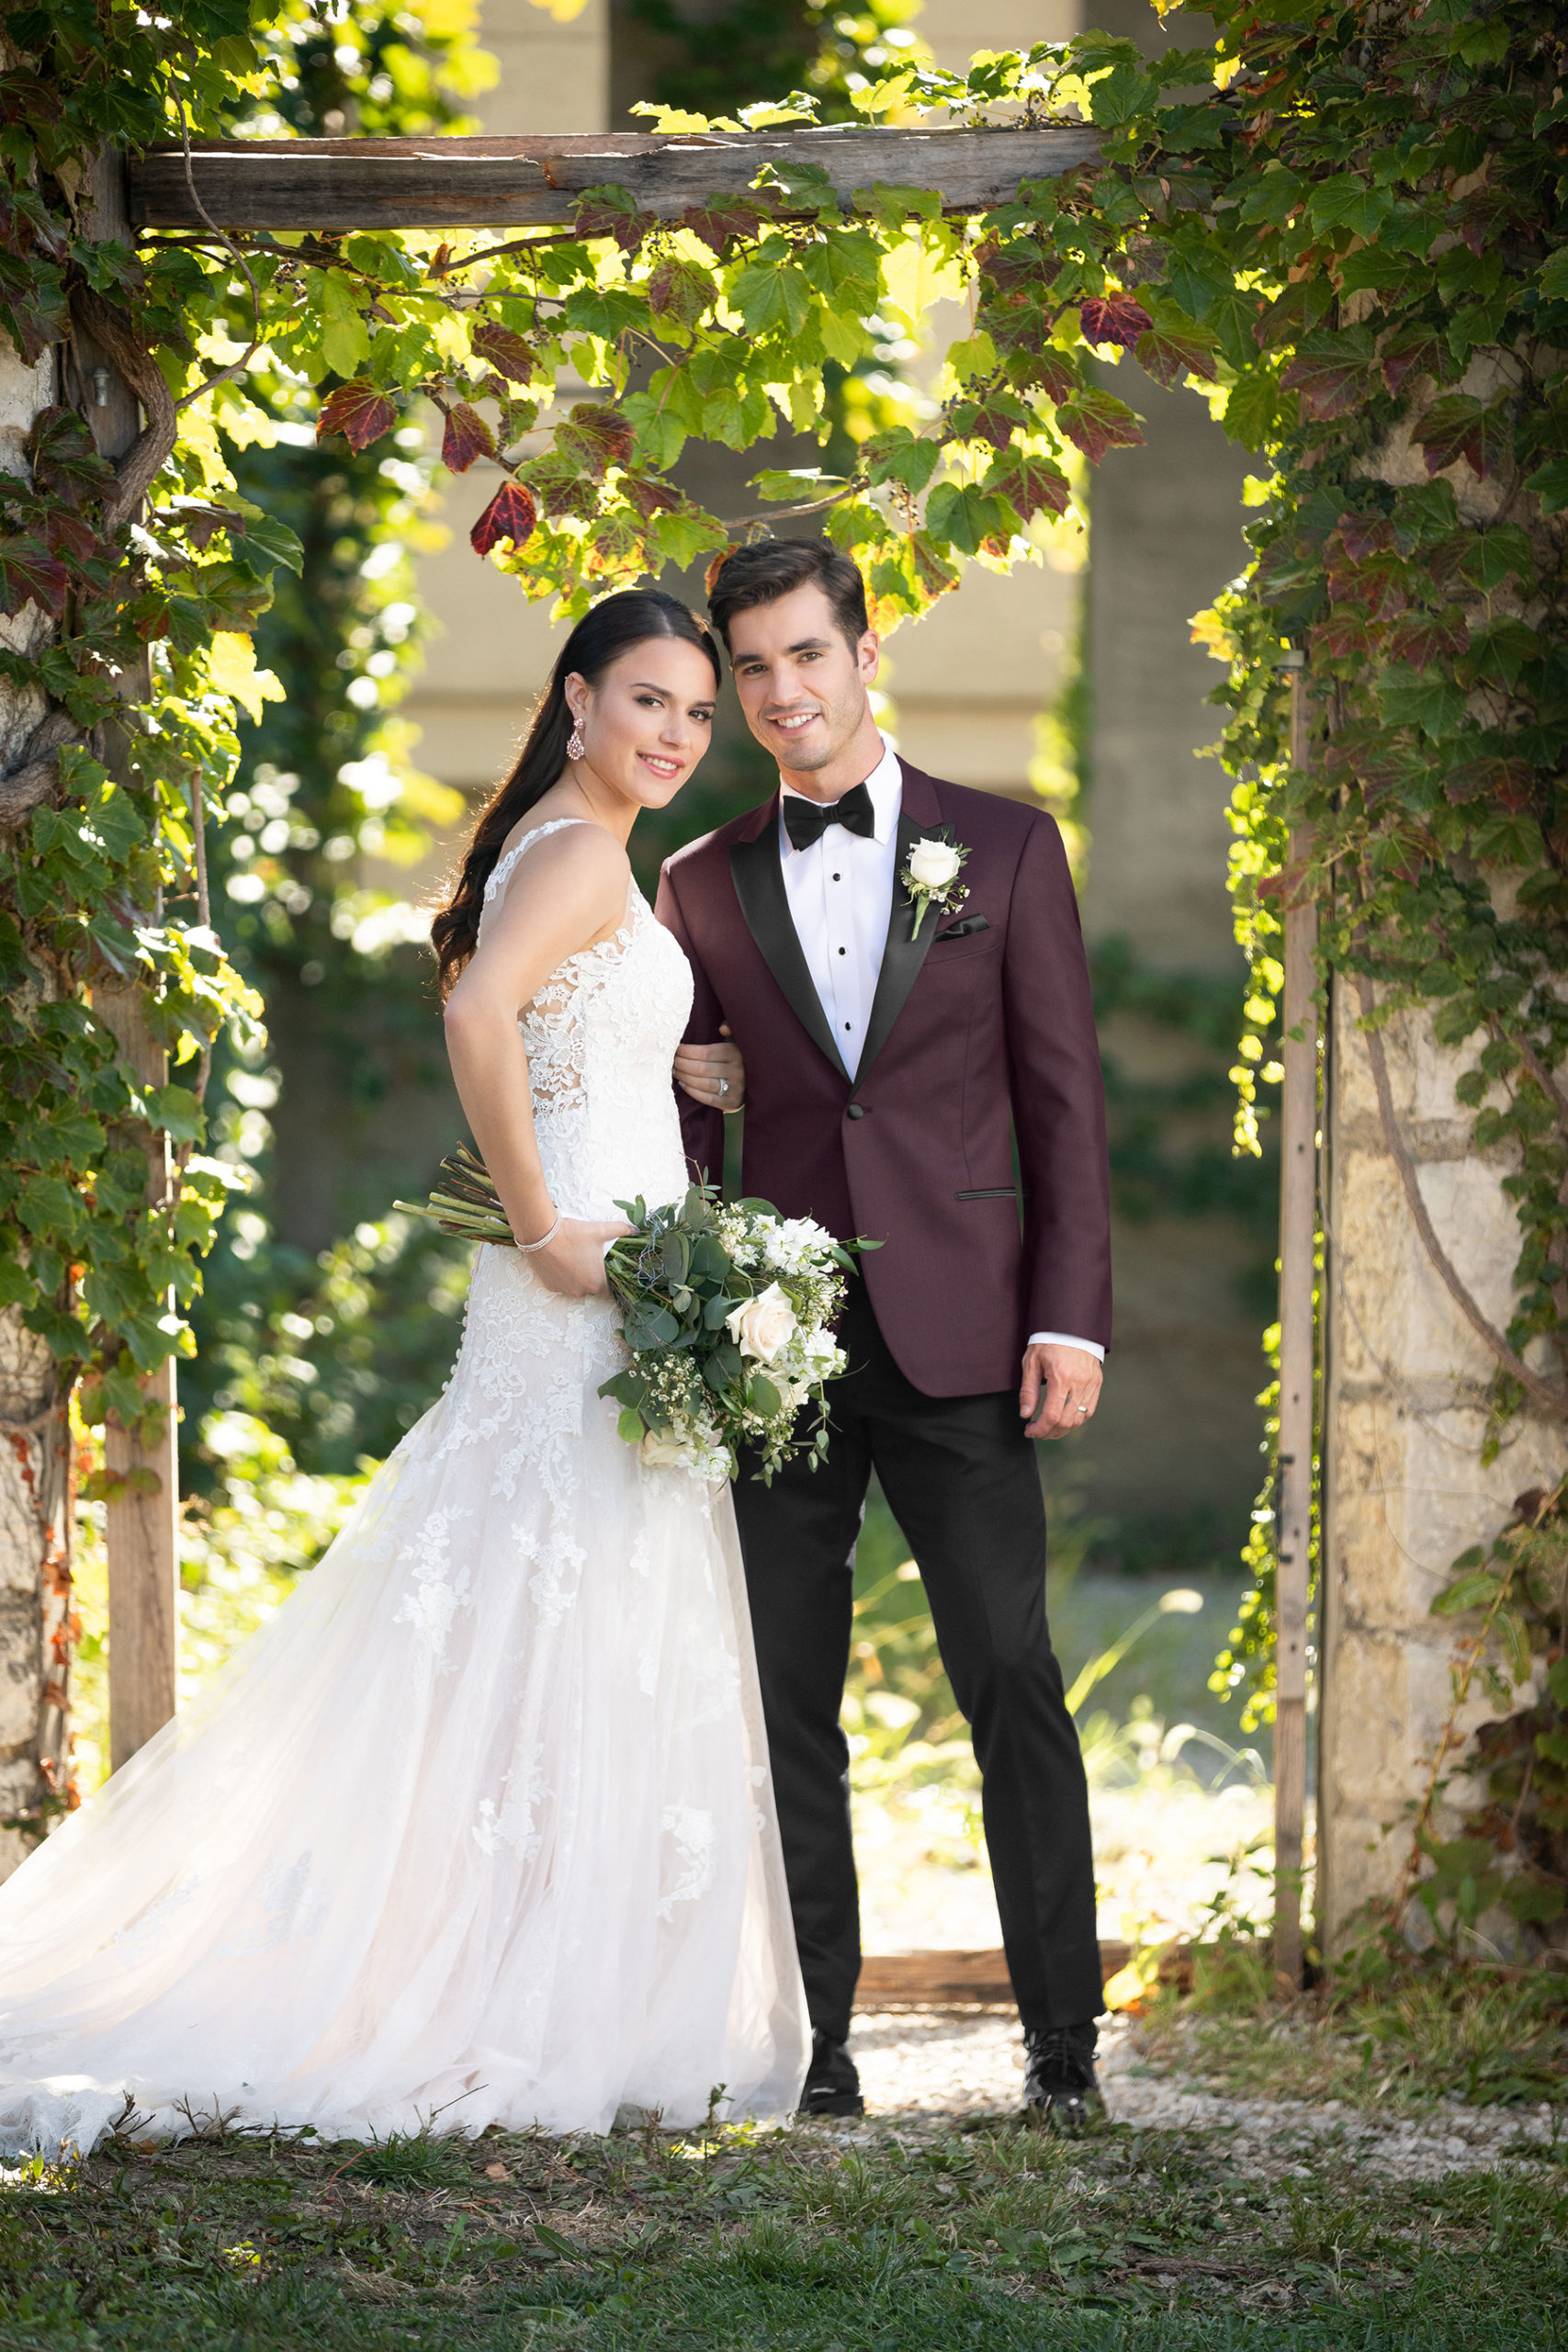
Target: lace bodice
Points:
(601, 1035)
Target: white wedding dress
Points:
(478, 1825)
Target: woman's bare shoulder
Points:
(576, 848)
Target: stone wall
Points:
(1404, 1487)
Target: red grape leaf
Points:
(681, 291)
(1414, 351)
(649, 495)
(506, 350)
(1028, 482)
(359, 412)
(31, 575)
(718, 223)
(595, 437)
(1425, 639)
(1118, 319)
(1491, 778)
(611, 213)
(933, 573)
(69, 535)
(467, 437)
(1328, 387)
(1095, 421)
(993, 419)
(1364, 534)
(1458, 426)
(1168, 356)
(1044, 369)
(511, 515)
(65, 459)
(1343, 637)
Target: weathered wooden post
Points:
(141, 1515)
(35, 1434)
(1298, 1250)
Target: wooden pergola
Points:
(336, 185)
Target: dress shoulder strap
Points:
(506, 866)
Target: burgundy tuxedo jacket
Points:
(980, 1031)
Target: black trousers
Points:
(962, 1484)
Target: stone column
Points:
(1404, 1489)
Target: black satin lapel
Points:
(759, 886)
(902, 956)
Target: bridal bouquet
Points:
(727, 1309)
(728, 1315)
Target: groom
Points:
(889, 1073)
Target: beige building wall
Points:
(491, 650)
(969, 680)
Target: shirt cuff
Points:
(1065, 1339)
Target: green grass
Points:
(1488, 2035)
(992, 2238)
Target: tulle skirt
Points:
(477, 1827)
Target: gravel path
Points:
(919, 2066)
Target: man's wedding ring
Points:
(1083, 1409)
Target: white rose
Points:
(933, 865)
(663, 1450)
(762, 1325)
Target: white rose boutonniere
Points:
(932, 876)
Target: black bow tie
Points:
(806, 820)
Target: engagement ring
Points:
(724, 1086)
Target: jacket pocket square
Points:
(964, 930)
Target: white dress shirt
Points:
(841, 894)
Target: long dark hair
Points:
(601, 636)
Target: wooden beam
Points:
(1293, 1525)
(978, 1980)
(486, 183)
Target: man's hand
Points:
(1060, 1389)
(712, 1075)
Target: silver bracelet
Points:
(527, 1249)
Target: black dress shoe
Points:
(832, 2084)
(1060, 2090)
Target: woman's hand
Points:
(572, 1265)
(712, 1075)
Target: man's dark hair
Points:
(769, 569)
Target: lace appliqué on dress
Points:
(439, 1589)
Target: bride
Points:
(480, 1825)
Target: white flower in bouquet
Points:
(934, 865)
(700, 1450)
(821, 1353)
(664, 1449)
(794, 1243)
(762, 1325)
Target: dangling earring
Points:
(575, 746)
